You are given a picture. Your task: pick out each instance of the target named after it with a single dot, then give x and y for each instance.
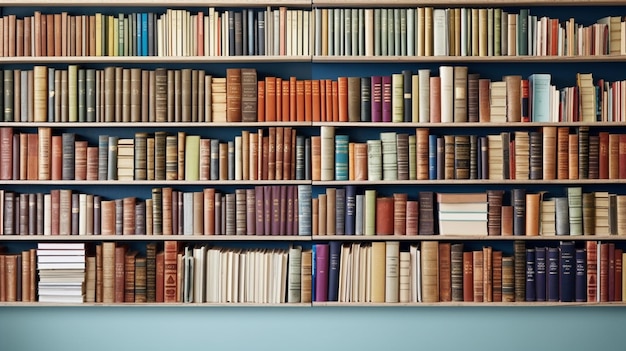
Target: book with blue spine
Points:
(333, 270)
(341, 157)
(304, 210)
(539, 96)
(553, 274)
(144, 34)
(540, 273)
(567, 271)
(432, 156)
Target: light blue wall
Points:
(318, 328)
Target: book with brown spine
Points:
(460, 94)
(533, 203)
(140, 273)
(562, 153)
(468, 276)
(478, 274)
(549, 152)
(129, 276)
(234, 95)
(484, 98)
(496, 265)
(435, 99)
(519, 271)
(56, 157)
(513, 98)
(445, 272)
(105, 287)
(399, 213)
(422, 147)
(170, 272)
(430, 271)
(473, 97)
(487, 274)
(603, 155)
(461, 157)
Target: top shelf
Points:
(308, 3)
(158, 3)
(454, 3)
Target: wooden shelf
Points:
(319, 304)
(414, 238)
(465, 182)
(512, 125)
(155, 183)
(160, 304)
(178, 125)
(308, 3)
(471, 304)
(203, 238)
(42, 60)
(157, 3)
(168, 125)
(452, 3)
(469, 59)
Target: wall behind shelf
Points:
(319, 328)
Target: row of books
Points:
(421, 31)
(292, 210)
(118, 94)
(441, 272)
(376, 272)
(176, 32)
(115, 273)
(427, 31)
(276, 153)
(549, 153)
(262, 210)
(352, 211)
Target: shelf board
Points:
(153, 124)
(160, 304)
(158, 3)
(452, 3)
(317, 304)
(512, 125)
(470, 304)
(204, 238)
(308, 3)
(509, 182)
(155, 183)
(42, 60)
(415, 238)
(468, 59)
(302, 238)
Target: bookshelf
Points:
(435, 318)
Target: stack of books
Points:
(61, 269)
(462, 213)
